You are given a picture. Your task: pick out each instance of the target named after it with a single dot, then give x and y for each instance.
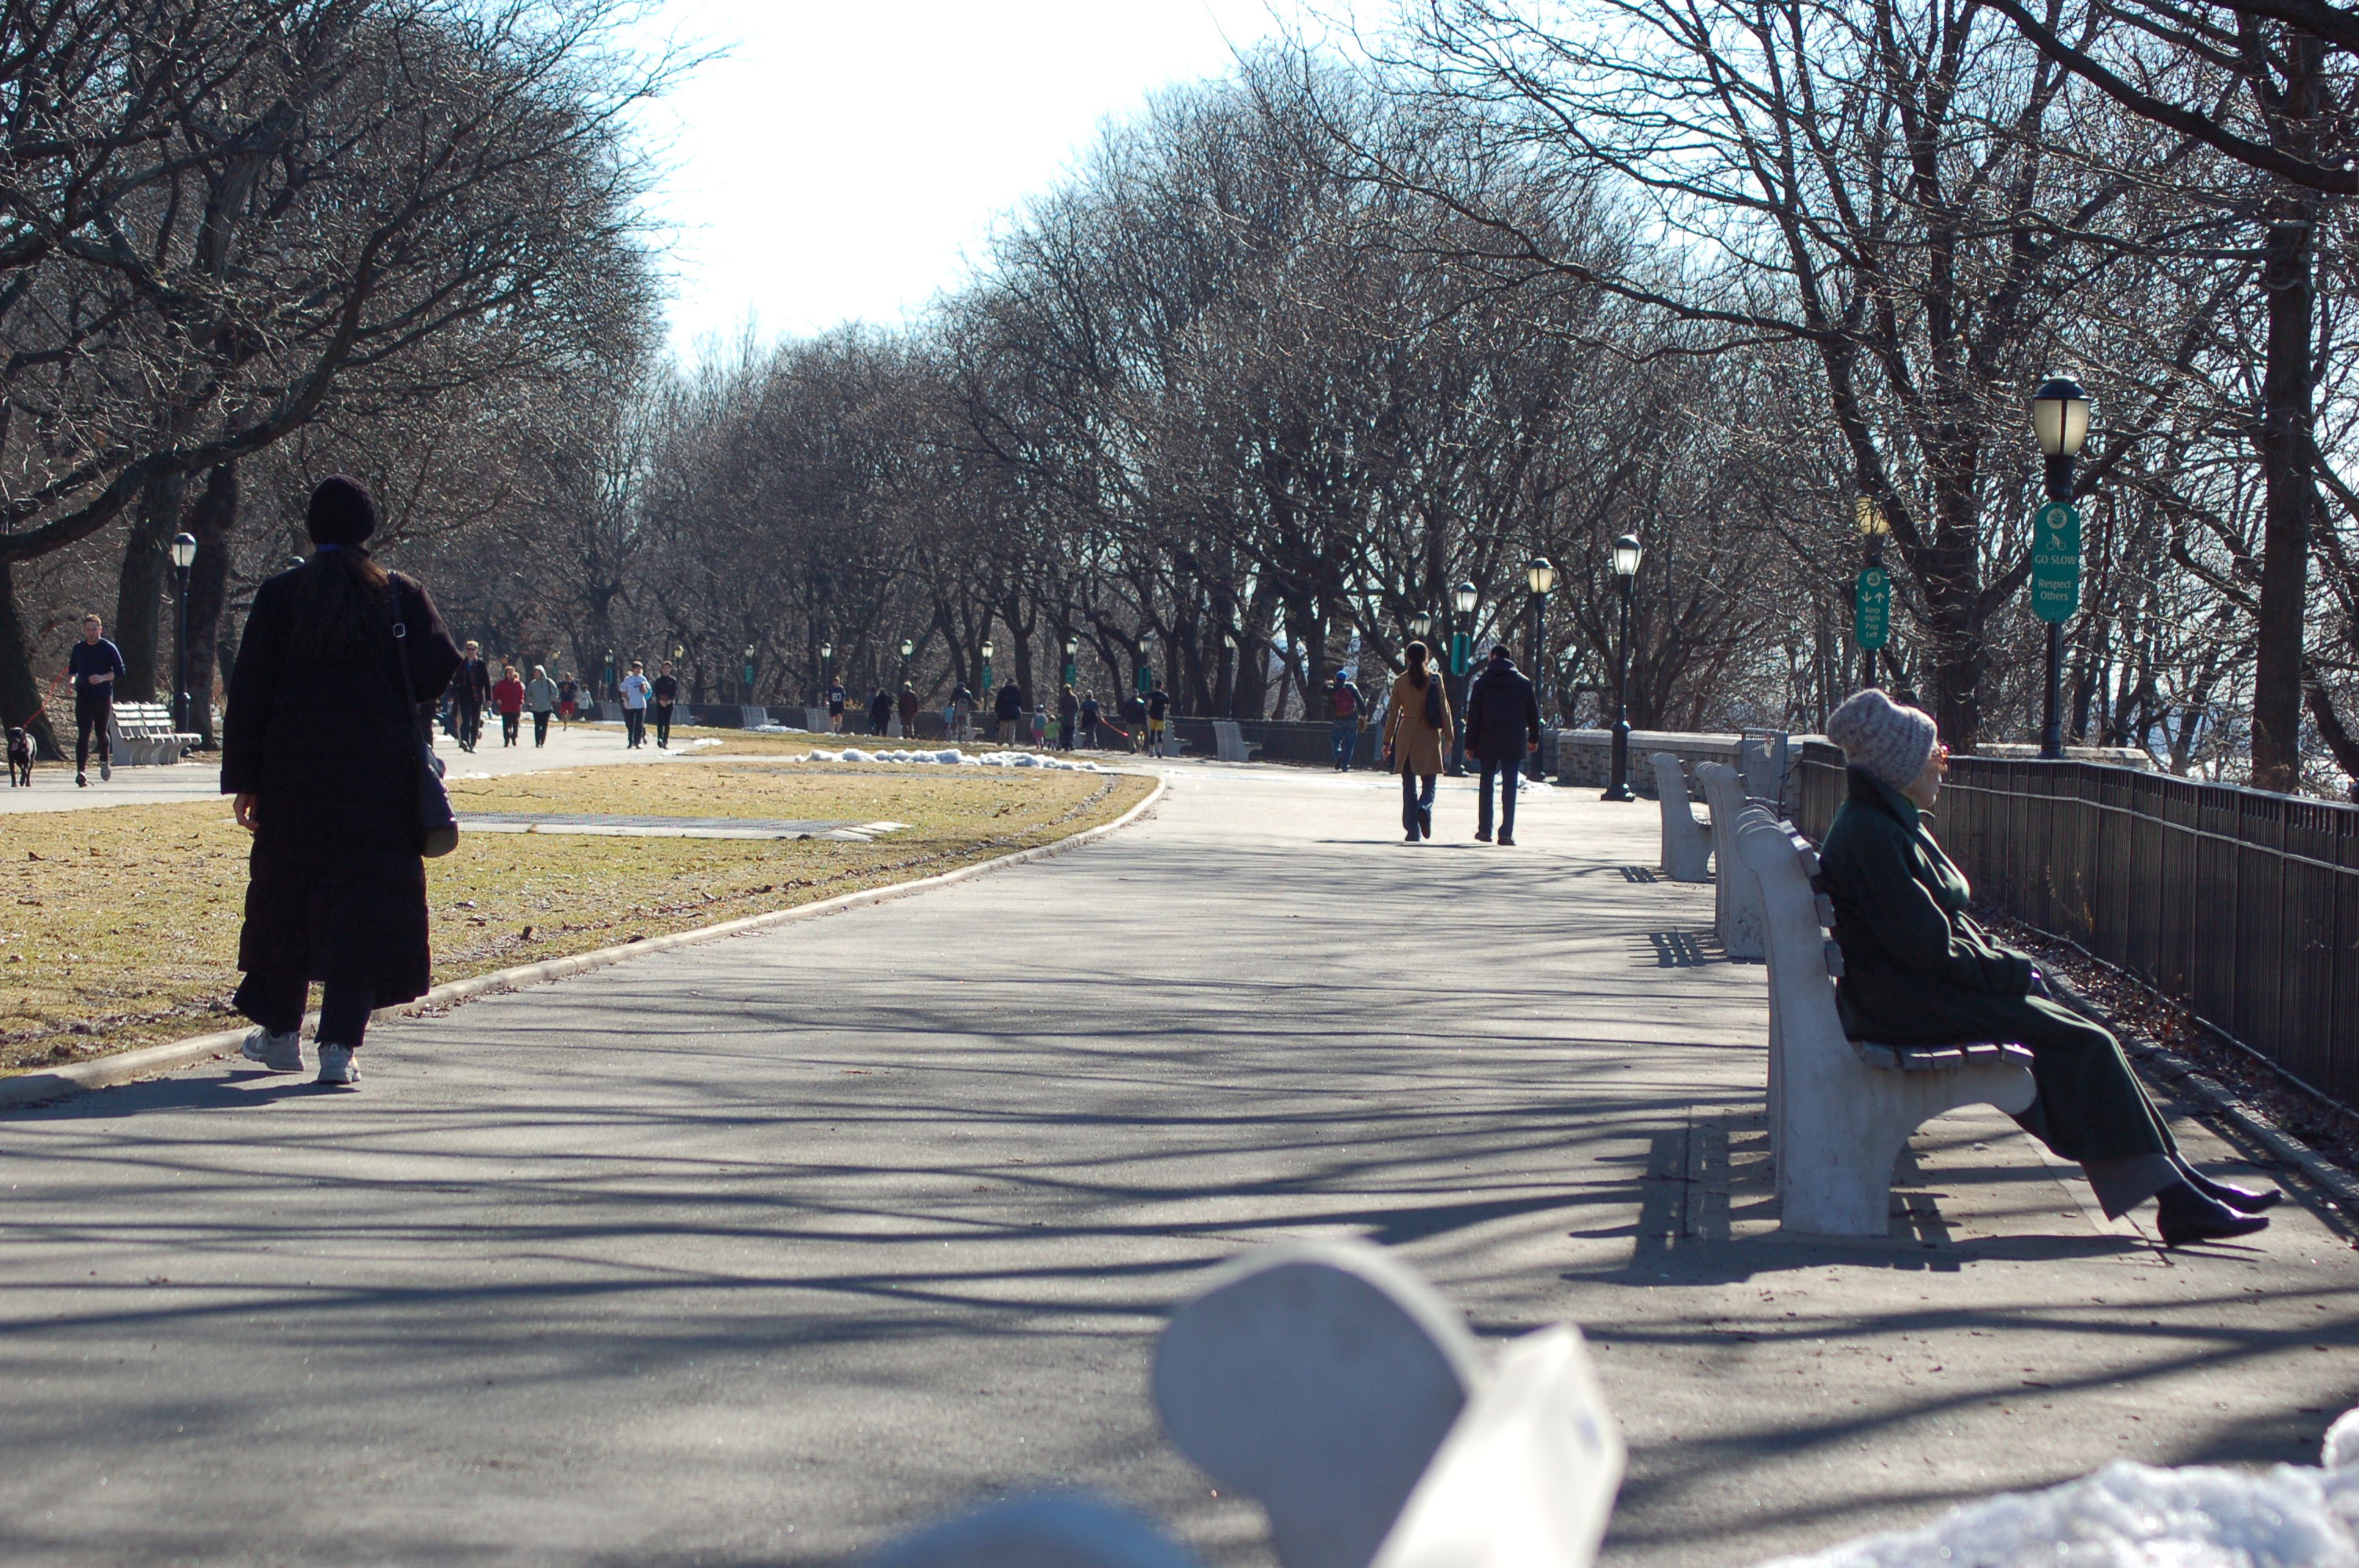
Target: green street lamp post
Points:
(1539, 577)
(1625, 566)
(1072, 653)
(1464, 598)
(184, 556)
(2059, 419)
(986, 670)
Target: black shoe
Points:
(2243, 1200)
(83, 780)
(1484, 834)
(1425, 823)
(1505, 842)
(2186, 1216)
(1412, 836)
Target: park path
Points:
(756, 1252)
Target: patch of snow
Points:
(954, 758)
(2341, 1450)
(2135, 1516)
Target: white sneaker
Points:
(279, 1052)
(337, 1066)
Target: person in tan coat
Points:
(1418, 729)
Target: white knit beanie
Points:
(1890, 740)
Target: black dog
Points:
(20, 758)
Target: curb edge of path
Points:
(152, 1061)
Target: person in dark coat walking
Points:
(1918, 970)
(1069, 716)
(320, 746)
(474, 689)
(1008, 708)
(1503, 727)
(880, 712)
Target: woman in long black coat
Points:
(320, 746)
(1918, 971)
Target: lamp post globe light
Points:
(1626, 555)
(184, 556)
(2060, 422)
(1420, 624)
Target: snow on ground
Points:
(2136, 1516)
(954, 758)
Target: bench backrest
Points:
(1736, 895)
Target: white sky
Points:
(844, 160)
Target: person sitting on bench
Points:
(1919, 971)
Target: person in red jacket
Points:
(508, 696)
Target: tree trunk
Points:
(213, 521)
(2289, 282)
(21, 688)
(143, 589)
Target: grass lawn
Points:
(126, 918)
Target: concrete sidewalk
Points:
(759, 1250)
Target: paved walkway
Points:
(756, 1251)
(199, 777)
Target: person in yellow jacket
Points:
(1417, 731)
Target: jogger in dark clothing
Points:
(94, 666)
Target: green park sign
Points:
(2056, 563)
(1871, 615)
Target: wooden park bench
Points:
(140, 734)
(1840, 1111)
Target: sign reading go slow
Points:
(2056, 562)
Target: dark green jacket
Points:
(1914, 962)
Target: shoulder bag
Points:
(1434, 716)
(438, 828)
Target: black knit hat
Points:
(341, 513)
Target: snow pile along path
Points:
(954, 758)
(2136, 1516)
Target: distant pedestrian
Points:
(1134, 713)
(320, 747)
(835, 701)
(880, 712)
(1068, 714)
(1007, 708)
(94, 666)
(1090, 716)
(1503, 727)
(1158, 714)
(473, 688)
(507, 696)
(1343, 729)
(637, 690)
(666, 693)
(1417, 728)
(908, 711)
(962, 715)
(569, 701)
(539, 699)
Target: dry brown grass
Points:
(127, 917)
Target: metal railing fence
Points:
(2241, 904)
